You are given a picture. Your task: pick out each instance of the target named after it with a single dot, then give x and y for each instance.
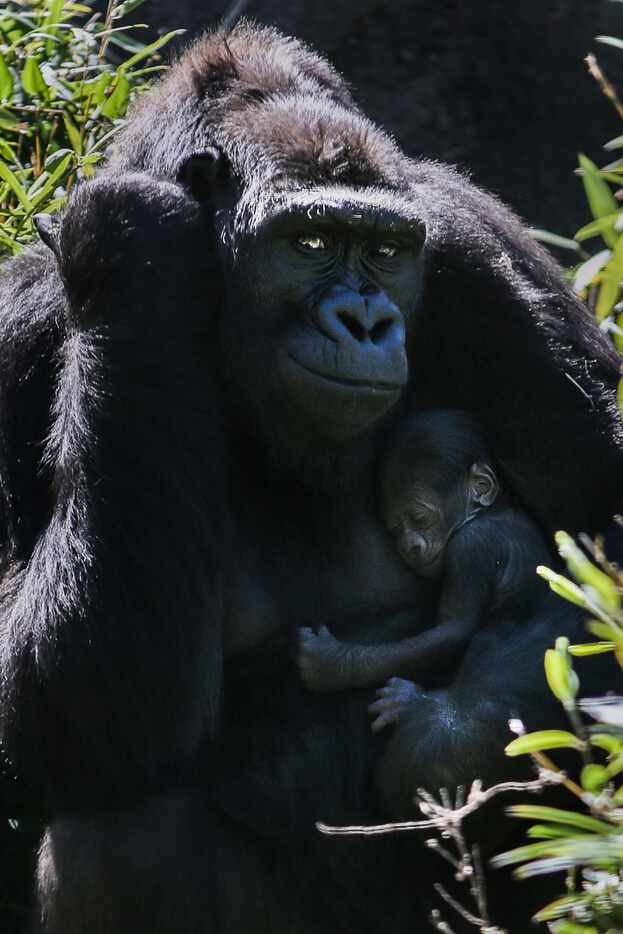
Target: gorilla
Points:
(199, 368)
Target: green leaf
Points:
(6, 80)
(13, 182)
(543, 739)
(591, 648)
(588, 270)
(570, 927)
(117, 102)
(594, 778)
(32, 79)
(52, 180)
(561, 906)
(101, 86)
(73, 133)
(541, 812)
(611, 744)
(563, 587)
(5, 151)
(577, 562)
(615, 143)
(544, 236)
(596, 227)
(126, 7)
(54, 14)
(550, 832)
(610, 289)
(150, 49)
(599, 196)
(562, 680)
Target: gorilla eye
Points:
(311, 242)
(387, 249)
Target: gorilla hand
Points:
(393, 699)
(325, 663)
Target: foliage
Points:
(598, 276)
(586, 843)
(66, 78)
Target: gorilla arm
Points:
(110, 645)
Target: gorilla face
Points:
(326, 288)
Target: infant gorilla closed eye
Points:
(442, 501)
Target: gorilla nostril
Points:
(381, 330)
(353, 325)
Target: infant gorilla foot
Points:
(393, 699)
(324, 661)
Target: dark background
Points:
(495, 86)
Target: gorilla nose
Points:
(345, 315)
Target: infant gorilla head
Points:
(436, 477)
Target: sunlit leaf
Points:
(610, 40)
(13, 182)
(73, 133)
(588, 270)
(116, 103)
(52, 180)
(599, 196)
(591, 648)
(150, 49)
(552, 239)
(32, 79)
(596, 227)
(541, 812)
(6, 80)
(594, 777)
(561, 907)
(543, 739)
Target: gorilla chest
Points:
(344, 573)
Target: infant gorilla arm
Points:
(442, 504)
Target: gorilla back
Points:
(206, 358)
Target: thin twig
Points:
(444, 818)
(606, 87)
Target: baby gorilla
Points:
(442, 503)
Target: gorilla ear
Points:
(483, 485)
(47, 230)
(202, 171)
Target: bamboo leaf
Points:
(116, 103)
(544, 236)
(32, 79)
(610, 40)
(543, 739)
(587, 271)
(73, 133)
(6, 80)
(594, 778)
(541, 812)
(591, 648)
(53, 180)
(596, 227)
(13, 182)
(599, 196)
(561, 907)
(150, 49)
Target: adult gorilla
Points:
(196, 381)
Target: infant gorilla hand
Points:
(393, 699)
(324, 661)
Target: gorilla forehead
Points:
(355, 210)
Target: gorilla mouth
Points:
(361, 384)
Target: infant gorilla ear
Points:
(128, 241)
(483, 484)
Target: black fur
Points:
(140, 501)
